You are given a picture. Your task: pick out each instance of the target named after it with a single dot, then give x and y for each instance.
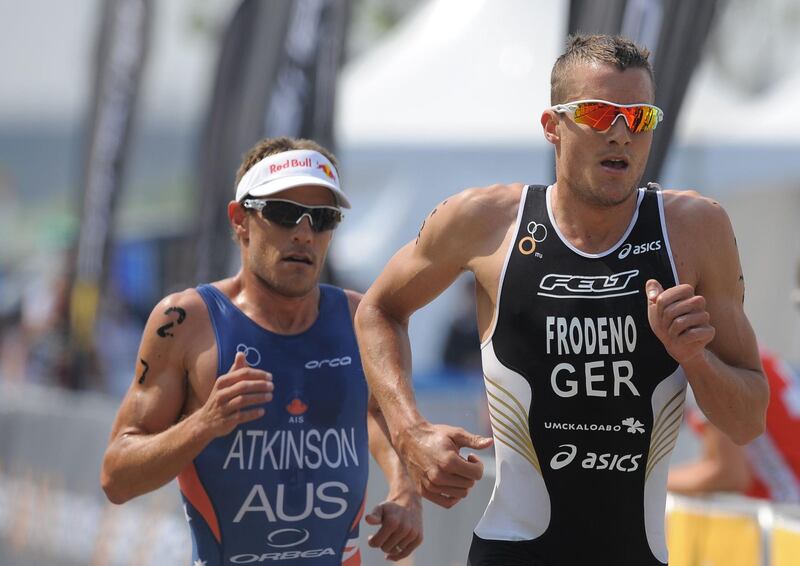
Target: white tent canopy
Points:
(715, 112)
(476, 71)
(456, 72)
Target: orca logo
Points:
(286, 538)
(333, 363)
(629, 249)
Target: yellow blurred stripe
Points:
(785, 546)
(706, 539)
(83, 311)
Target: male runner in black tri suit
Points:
(597, 300)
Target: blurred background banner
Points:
(119, 63)
(435, 96)
(433, 99)
(673, 30)
(276, 75)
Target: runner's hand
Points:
(235, 396)
(679, 319)
(400, 519)
(431, 455)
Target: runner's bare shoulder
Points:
(471, 221)
(699, 231)
(176, 324)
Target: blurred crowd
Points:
(34, 334)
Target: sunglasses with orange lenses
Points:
(601, 114)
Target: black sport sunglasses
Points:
(288, 213)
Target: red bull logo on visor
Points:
(290, 164)
(327, 170)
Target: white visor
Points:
(295, 168)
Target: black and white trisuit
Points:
(585, 402)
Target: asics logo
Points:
(595, 461)
(637, 249)
(564, 457)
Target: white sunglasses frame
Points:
(573, 106)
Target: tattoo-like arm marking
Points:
(162, 330)
(144, 373)
(423, 222)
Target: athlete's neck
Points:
(274, 311)
(591, 228)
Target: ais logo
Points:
(296, 409)
(595, 461)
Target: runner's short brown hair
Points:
(610, 49)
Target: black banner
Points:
(673, 30)
(120, 59)
(276, 76)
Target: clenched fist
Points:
(679, 319)
(235, 397)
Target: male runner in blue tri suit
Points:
(596, 300)
(250, 390)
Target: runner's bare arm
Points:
(150, 444)
(400, 485)
(417, 274)
(448, 240)
(722, 467)
(705, 327)
(400, 514)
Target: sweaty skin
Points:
(701, 322)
